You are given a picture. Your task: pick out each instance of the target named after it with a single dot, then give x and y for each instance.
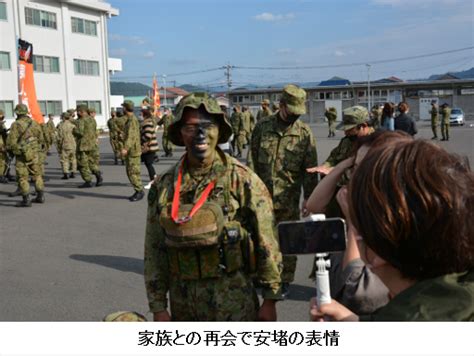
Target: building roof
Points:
(334, 81)
(97, 5)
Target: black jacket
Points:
(403, 122)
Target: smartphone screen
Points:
(310, 237)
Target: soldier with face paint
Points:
(209, 228)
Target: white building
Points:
(70, 49)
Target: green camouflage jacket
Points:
(247, 122)
(330, 115)
(51, 130)
(261, 114)
(445, 298)
(3, 136)
(65, 137)
(20, 133)
(85, 133)
(131, 141)
(280, 154)
(166, 120)
(446, 115)
(434, 112)
(236, 122)
(250, 204)
(111, 124)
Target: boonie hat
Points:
(295, 99)
(353, 116)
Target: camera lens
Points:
(335, 235)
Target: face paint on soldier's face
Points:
(200, 135)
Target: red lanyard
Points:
(196, 207)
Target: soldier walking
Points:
(3, 149)
(96, 151)
(265, 110)
(86, 136)
(113, 135)
(67, 146)
(331, 116)
(131, 150)
(24, 140)
(166, 120)
(282, 148)
(434, 119)
(446, 116)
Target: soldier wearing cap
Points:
(282, 148)
(166, 120)
(113, 135)
(331, 116)
(66, 144)
(265, 111)
(86, 138)
(24, 140)
(446, 115)
(236, 122)
(95, 152)
(434, 119)
(355, 123)
(210, 228)
(131, 150)
(249, 122)
(376, 114)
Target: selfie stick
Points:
(323, 291)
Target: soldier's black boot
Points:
(40, 197)
(3, 180)
(123, 163)
(137, 196)
(72, 175)
(86, 185)
(25, 202)
(99, 178)
(16, 193)
(115, 161)
(65, 176)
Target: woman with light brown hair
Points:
(413, 204)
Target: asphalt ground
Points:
(80, 256)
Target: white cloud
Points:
(118, 51)
(339, 53)
(149, 54)
(269, 17)
(133, 39)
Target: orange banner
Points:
(28, 91)
(156, 96)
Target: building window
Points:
(361, 93)
(44, 64)
(321, 96)
(83, 67)
(5, 60)
(383, 93)
(91, 104)
(7, 107)
(40, 18)
(234, 99)
(337, 95)
(329, 95)
(84, 26)
(50, 107)
(3, 11)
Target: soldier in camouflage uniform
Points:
(24, 140)
(265, 111)
(355, 123)
(207, 263)
(113, 135)
(85, 133)
(446, 115)
(331, 116)
(166, 120)
(282, 148)
(44, 147)
(376, 114)
(3, 148)
(236, 122)
(120, 127)
(96, 152)
(434, 119)
(249, 123)
(51, 131)
(67, 146)
(132, 151)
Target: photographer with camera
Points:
(412, 202)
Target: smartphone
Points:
(311, 237)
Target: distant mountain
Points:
(191, 88)
(465, 74)
(129, 89)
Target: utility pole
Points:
(164, 88)
(368, 87)
(228, 75)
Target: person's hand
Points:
(333, 311)
(304, 209)
(124, 152)
(267, 311)
(325, 170)
(162, 316)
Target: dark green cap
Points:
(195, 101)
(81, 107)
(353, 116)
(128, 105)
(294, 97)
(21, 109)
(91, 110)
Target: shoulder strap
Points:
(24, 132)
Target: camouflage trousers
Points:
(241, 141)
(42, 158)
(86, 163)
(3, 162)
(434, 127)
(332, 128)
(25, 169)
(231, 297)
(132, 165)
(68, 161)
(445, 131)
(96, 155)
(167, 145)
(116, 148)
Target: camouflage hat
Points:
(91, 110)
(124, 316)
(81, 107)
(66, 115)
(21, 109)
(265, 102)
(71, 111)
(294, 97)
(353, 116)
(195, 101)
(128, 105)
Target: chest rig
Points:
(210, 243)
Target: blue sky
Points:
(179, 36)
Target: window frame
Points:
(7, 112)
(84, 26)
(96, 104)
(45, 106)
(9, 62)
(41, 18)
(6, 12)
(86, 67)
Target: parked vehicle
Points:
(457, 117)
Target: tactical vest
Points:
(209, 245)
